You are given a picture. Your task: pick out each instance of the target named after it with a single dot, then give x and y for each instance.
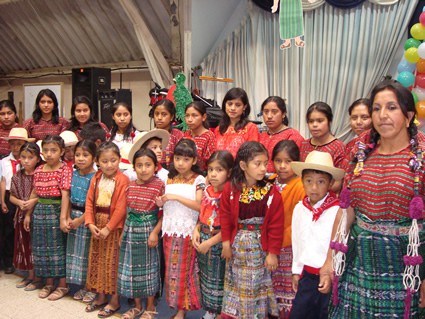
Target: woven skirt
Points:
(372, 284)
(211, 276)
(48, 241)
(103, 259)
(282, 280)
(291, 19)
(22, 254)
(181, 274)
(248, 287)
(139, 265)
(77, 252)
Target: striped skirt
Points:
(248, 287)
(103, 259)
(181, 274)
(139, 265)
(372, 284)
(211, 276)
(22, 255)
(48, 241)
(77, 252)
(291, 19)
(282, 280)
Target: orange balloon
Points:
(420, 109)
(420, 66)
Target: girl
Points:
(251, 230)
(105, 215)
(182, 201)
(360, 113)
(79, 236)
(52, 182)
(81, 114)
(291, 188)
(164, 113)
(139, 266)
(20, 191)
(123, 131)
(276, 119)
(235, 127)
(8, 120)
(196, 120)
(45, 118)
(207, 237)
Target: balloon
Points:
(420, 66)
(406, 78)
(411, 55)
(420, 80)
(420, 109)
(418, 31)
(404, 65)
(415, 97)
(422, 18)
(411, 43)
(421, 51)
(420, 93)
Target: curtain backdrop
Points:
(347, 52)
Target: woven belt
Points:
(207, 230)
(103, 210)
(147, 216)
(50, 200)
(81, 208)
(312, 270)
(393, 230)
(249, 226)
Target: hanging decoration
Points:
(182, 98)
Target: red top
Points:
(205, 143)
(141, 197)
(4, 145)
(167, 155)
(231, 140)
(50, 184)
(43, 128)
(335, 147)
(209, 207)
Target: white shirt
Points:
(120, 142)
(311, 239)
(7, 169)
(162, 174)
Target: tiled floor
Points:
(19, 304)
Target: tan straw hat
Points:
(319, 161)
(69, 137)
(19, 133)
(125, 163)
(142, 137)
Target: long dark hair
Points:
(362, 101)
(185, 147)
(37, 114)
(201, 109)
(130, 128)
(280, 104)
(232, 94)
(290, 147)
(9, 104)
(323, 108)
(87, 145)
(32, 148)
(81, 99)
(169, 105)
(148, 153)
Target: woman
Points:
(384, 201)
(8, 120)
(360, 119)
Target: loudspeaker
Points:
(88, 82)
(107, 99)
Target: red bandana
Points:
(329, 202)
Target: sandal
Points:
(107, 312)
(46, 291)
(59, 293)
(89, 297)
(133, 313)
(149, 314)
(25, 282)
(79, 295)
(34, 285)
(94, 306)
(300, 43)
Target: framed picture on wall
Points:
(30, 94)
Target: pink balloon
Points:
(422, 18)
(420, 80)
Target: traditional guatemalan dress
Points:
(48, 240)
(292, 193)
(336, 148)
(77, 250)
(231, 140)
(252, 221)
(21, 187)
(167, 155)
(139, 265)
(205, 144)
(372, 284)
(105, 207)
(290, 19)
(120, 141)
(181, 276)
(270, 141)
(4, 145)
(211, 265)
(43, 128)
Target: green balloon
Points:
(415, 97)
(411, 43)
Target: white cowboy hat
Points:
(18, 133)
(319, 161)
(69, 137)
(125, 163)
(142, 137)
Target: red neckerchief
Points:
(329, 202)
(15, 164)
(159, 167)
(69, 163)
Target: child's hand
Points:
(64, 225)
(226, 253)
(159, 202)
(75, 223)
(104, 232)
(204, 247)
(196, 238)
(95, 231)
(21, 204)
(325, 283)
(29, 204)
(4, 208)
(153, 240)
(271, 262)
(27, 222)
(295, 280)
(422, 295)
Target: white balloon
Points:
(420, 92)
(421, 51)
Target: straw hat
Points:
(125, 163)
(18, 133)
(312, 162)
(142, 137)
(69, 137)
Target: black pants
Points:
(309, 303)
(7, 233)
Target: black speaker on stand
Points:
(107, 99)
(88, 82)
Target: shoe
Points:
(34, 285)
(9, 270)
(46, 291)
(149, 314)
(300, 43)
(93, 306)
(59, 293)
(79, 295)
(107, 312)
(208, 315)
(285, 45)
(133, 313)
(25, 282)
(89, 297)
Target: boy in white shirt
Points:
(312, 224)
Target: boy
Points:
(93, 131)
(70, 139)
(312, 224)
